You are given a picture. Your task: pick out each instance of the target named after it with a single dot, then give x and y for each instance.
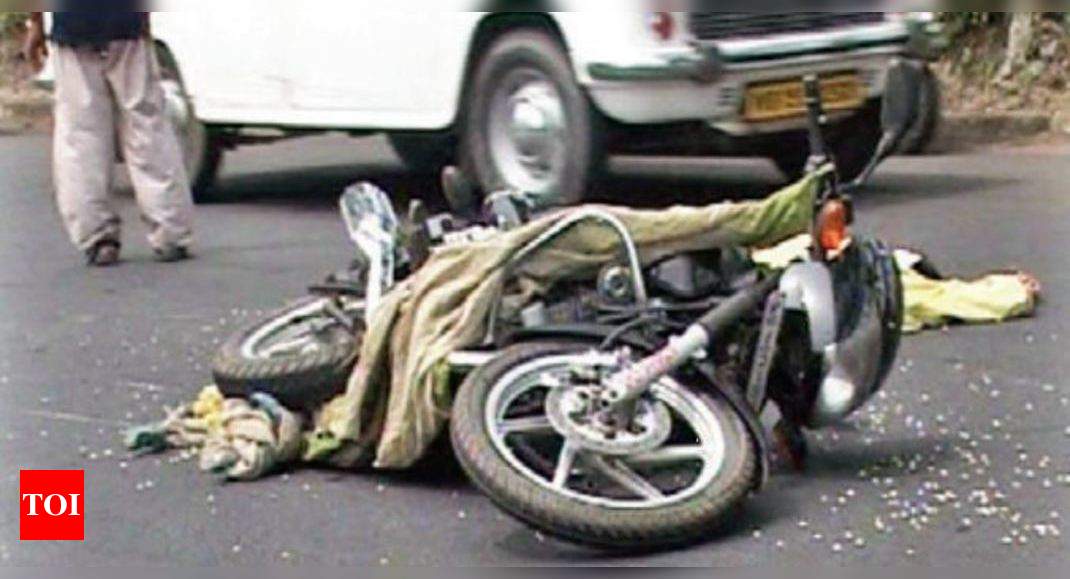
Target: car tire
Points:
(852, 143)
(202, 148)
(529, 126)
(423, 154)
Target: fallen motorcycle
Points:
(621, 412)
(638, 425)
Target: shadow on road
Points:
(899, 187)
(524, 543)
(644, 182)
(641, 182)
(319, 186)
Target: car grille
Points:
(729, 25)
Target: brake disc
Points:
(571, 412)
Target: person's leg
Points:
(84, 148)
(150, 145)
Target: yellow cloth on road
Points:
(398, 399)
(932, 302)
(935, 302)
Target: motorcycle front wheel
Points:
(301, 355)
(676, 491)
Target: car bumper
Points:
(707, 81)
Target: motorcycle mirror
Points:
(899, 110)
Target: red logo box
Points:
(52, 505)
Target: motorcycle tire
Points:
(301, 381)
(677, 523)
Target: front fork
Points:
(625, 387)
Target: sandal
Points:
(104, 253)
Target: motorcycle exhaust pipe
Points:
(626, 386)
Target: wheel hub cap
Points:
(528, 134)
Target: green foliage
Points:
(959, 23)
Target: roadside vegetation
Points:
(1006, 61)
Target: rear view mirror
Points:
(899, 109)
(900, 106)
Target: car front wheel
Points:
(529, 126)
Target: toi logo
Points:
(52, 505)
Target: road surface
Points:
(963, 459)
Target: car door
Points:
(229, 57)
(377, 68)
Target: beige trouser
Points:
(94, 89)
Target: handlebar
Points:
(815, 116)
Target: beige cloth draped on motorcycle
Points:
(398, 397)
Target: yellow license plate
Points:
(770, 101)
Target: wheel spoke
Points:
(539, 424)
(624, 476)
(565, 460)
(668, 455)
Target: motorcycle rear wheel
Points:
(641, 507)
(299, 355)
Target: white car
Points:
(526, 100)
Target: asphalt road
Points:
(963, 459)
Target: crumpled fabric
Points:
(187, 426)
(238, 439)
(931, 301)
(398, 397)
